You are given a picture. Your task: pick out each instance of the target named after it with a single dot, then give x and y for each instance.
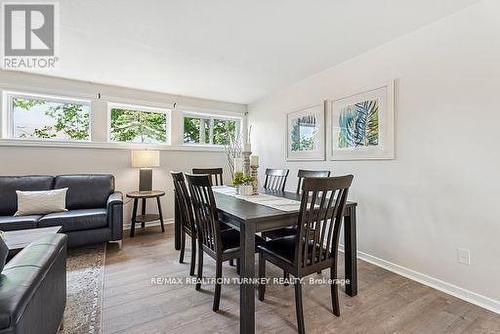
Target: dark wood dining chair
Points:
(221, 245)
(275, 179)
(187, 219)
(302, 174)
(315, 245)
(215, 175)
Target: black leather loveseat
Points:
(33, 288)
(95, 210)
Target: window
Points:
(138, 125)
(45, 118)
(201, 129)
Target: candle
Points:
(247, 147)
(254, 160)
(238, 164)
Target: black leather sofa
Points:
(95, 210)
(33, 288)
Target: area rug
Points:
(85, 270)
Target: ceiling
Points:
(229, 50)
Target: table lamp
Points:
(145, 160)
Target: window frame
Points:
(8, 118)
(211, 117)
(143, 108)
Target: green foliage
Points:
(138, 126)
(222, 131)
(70, 119)
(359, 125)
(299, 141)
(240, 179)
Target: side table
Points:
(143, 218)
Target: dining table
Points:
(250, 217)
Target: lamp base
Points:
(145, 179)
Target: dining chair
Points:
(221, 245)
(314, 247)
(301, 174)
(215, 174)
(275, 179)
(187, 219)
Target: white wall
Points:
(17, 158)
(443, 189)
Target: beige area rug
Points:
(85, 288)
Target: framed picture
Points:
(305, 135)
(362, 125)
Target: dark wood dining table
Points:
(250, 218)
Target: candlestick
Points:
(254, 160)
(247, 147)
(255, 181)
(246, 162)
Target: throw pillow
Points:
(40, 202)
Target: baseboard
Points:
(153, 223)
(451, 289)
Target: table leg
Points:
(143, 208)
(177, 224)
(350, 252)
(160, 213)
(247, 267)
(134, 217)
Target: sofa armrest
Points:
(33, 287)
(115, 215)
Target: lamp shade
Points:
(145, 159)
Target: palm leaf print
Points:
(359, 125)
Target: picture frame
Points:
(305, 134)
(361, 125)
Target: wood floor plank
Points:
(386, 303)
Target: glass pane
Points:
(223, 130)
(39, 118)
(136, 126)
(196, 130)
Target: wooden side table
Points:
(143, 218)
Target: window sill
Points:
(104, 145)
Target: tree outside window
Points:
(209, 130)
(138, 126)
(45, 118)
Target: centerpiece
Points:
(243, 184)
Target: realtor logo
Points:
(29, 35)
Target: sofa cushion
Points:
(9, 185)
(86, 191)
(10, 223)
(76, 220)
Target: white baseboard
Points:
(153, 223)
(451, 289)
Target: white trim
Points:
(112, 145)
(448, 288)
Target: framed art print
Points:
(306, 134)
(362, 125)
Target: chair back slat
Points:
(214, 173)
(183, 200)
(205, 211)
(302, 173)
(318, 231)
(275, 179)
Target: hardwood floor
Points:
(386, 303)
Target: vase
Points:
(246, 190)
